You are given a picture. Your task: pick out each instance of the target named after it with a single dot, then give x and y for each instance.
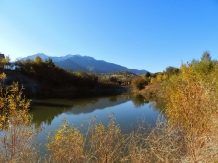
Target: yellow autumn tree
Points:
(191, 105)
(66, 145)
(105, 142)
(17, 136)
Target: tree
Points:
(5, 61)
(66, 145)
(206, 57)
(205, 66)
(38, 60)
(139, 83)
(171, 70)
(113, 79)
(2, 78)
(148, 74)
(49, 63)
(17, 136)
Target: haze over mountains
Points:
(85, 63)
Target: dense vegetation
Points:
(140, 82)
(192, 105)
(52, 77)
(190, 102)
(189, 135)
(118, 78)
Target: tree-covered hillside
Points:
(51, 77)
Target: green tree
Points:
(206, 57)
(148, 74)
(139, 83)
(49, 63)
(171, 71)
(113, 79)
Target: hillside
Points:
(30, 85)
(85, 63)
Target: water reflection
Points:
(139, 100)
(44, 111)
(129, 111)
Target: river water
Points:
(129, 111)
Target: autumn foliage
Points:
(191, 106)
(189, 134)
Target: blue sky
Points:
(142, 34)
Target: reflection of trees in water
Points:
(83, 103)
(44, 111)
(112, 98)
(138, 100)
(158, 105)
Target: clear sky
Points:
(142, 34)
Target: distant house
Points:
(1, 56)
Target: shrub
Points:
(17, 136)
(105, 143)
(138, 83)
(191, 107)
(66, 145)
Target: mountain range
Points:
(85, 63)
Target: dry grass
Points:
(160, 144)
(107, 144)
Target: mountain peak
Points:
(72, 55)
(78, 55)
(77, 62)
(41, 55)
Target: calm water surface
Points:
(128, 110)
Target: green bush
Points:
(139, 83)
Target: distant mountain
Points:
(135, 71)
(54, 59)
(98, 66)
(85, 63)
(70, 65)
(41, 55)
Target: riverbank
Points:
(30, 86)
(150, 92)
(34, 89)
(74, 92)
